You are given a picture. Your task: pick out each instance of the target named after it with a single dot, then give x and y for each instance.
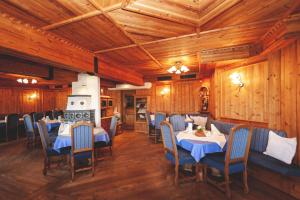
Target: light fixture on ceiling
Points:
(178, 68)
(26, 81)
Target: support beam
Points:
(282, 34)
(96, 5)
(38, 46)
(82, 17)
(198, 33)
(108, 69)
(216, 10)
(270, 34)
(160, 13)
(229, 53)
(25, 41)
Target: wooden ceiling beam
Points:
(229, 53)
(164, 14)
(197, 33)
(95, 4)
(283, 33)
(216, 11)
(24, 40)
(33, 44)
(273, 31)
(82, 17)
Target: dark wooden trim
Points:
(247, 122)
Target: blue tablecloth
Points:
(51, 126)
(65, 141)
(199, 149)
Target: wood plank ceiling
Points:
(151, 35)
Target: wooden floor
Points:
(137, 170)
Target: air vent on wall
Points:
(164, 78)
(188, 76)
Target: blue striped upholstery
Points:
(167, 136)
(82, 137)
(260, 139)
(159, 117)
(178, 122)
(113, 126)
(239, 143)
(184, 157)
(148, 118)
(28, 124)
(223, 127)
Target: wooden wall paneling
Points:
(48, 100)
(163, 102)
(289, 84)
(245, 103)
(274, 97)
(9, 103)
(61, 98)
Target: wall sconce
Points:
(164, 91)
(32, 96)
(237, 80)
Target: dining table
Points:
(198, 147)
(64, 137)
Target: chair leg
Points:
(155, 135)
(176, 174)
(227, 186)
(197, 172)
(110, 149)
(205, 173)
(45, 166)
(245, 180)
(72, 169)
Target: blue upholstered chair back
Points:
(159, 117)
(28, 124)
(239, 143)
(148, 118)
(168, 137)
(113, 127)
(42, 128)
(177, 122)
(82, 136)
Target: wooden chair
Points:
(159, 117)
(12, 127)
(50, 155)
(30, 132)
(150, 126)
(234, 160)
(111, 133)
(177, 122)
(82, 134)
(178, 157)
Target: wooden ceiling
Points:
(149, 36)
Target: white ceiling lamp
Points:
(178, 68)
(26, 81)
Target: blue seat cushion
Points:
(51, 152)
(260, 137)
(101, 144)
(183, 155)
(273, 164)
(217, 160)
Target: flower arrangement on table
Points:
(200, 131)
